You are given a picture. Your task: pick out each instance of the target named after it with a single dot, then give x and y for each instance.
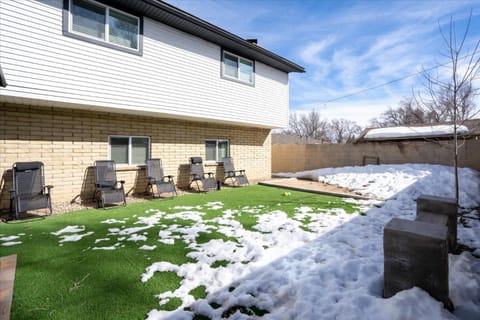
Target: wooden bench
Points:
(416, 252)
(7, 277)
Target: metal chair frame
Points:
(106, 184)
(156, 177)
(29, 190)
(237, 177)
(197, 174)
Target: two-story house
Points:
(86, 80)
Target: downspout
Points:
(3, 81)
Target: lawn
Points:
(123, 262)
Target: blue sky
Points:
(346, 46)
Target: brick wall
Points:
(69, 141)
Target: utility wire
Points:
(391, 81)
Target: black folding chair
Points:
(108, 190)
(29, 190)
(207, 180)
(237, 177)
(156, 177)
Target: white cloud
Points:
(310, 53)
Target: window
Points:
(95, 21)
(238, 68)
(129, 150)
(216, 150)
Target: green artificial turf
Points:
(72, 281)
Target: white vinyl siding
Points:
(177, 76)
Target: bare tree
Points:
(407, 113)
(343, 130)
(451, 97)
(309, 125)
(294, 126)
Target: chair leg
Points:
(101, 201)
(151, 192)
(50, 205)
(17, 213)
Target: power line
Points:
(391, 81)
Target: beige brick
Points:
(69, 141)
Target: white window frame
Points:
(217, 141)
(107, 25)
(129, 149)
(237, 78)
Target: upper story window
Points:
(237, 68)
(127, 150)
(91, 20)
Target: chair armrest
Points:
(151, 180)
(49, 187)
(168, 178)
(121, 184)
(195, 176)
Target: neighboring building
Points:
(431, 144)
(84, 80)
(466, 129)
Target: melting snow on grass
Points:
(69, 229)
(319, 263)
(74, 237)
(7, 241)
(71, 234)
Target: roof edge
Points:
(223, 33)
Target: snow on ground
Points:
(69, 229)
(331, 269)
(7, 241)
(316, 264)
(74, 237)
(10, 243)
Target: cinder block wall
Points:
(301, 157)
(69, 141)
